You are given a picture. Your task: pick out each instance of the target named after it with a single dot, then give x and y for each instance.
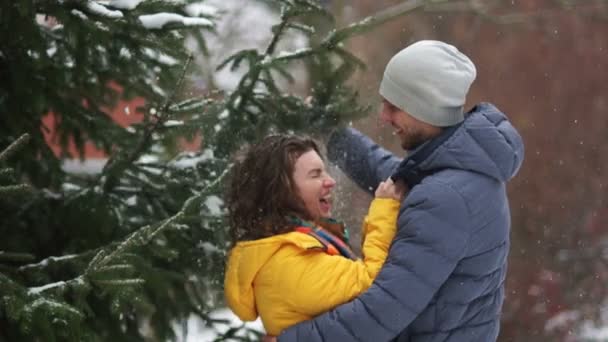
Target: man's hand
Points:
(268, 338)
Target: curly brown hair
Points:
(261, 193)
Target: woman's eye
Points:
(316, 175)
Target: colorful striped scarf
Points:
(332, 244)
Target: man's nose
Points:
(384, 117)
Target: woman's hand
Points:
(389, 189)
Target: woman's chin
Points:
(325, 210)
(322, 213)
(325, 214)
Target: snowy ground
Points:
(198, 331)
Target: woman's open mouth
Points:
(325, 205)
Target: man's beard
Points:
(412, 139)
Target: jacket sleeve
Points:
(335, 280)
(431, 239)
(379, 227)
(363, 160)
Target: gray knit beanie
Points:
(429, 80)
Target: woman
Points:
(290, 261)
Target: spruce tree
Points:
(131, 252)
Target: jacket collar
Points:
(409, 169)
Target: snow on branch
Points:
(191, 159)
(49, 303)
(160, 20)
(79, 14)
(58, 286)
(160, 57)
(288, 55)
(125, 4)
(121, 282)
(99, 9)
(39, 289)
(173, 123)
(54, 260)
(199, 9)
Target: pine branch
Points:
(145, 234)
(55, 306)
(277, 36)
(47, 287)
(250, 79)
(289, 10)
(121, 282)
(8, 191)
(120, 162)
(335, 36)
(371, 22)
(138, 238)
(54, 260)
(7, 173)
(17, 257)
(11, 190)
(9, 285)
(480, 8)
(12, 148)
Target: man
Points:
(444, 276)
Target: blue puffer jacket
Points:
(444, 276)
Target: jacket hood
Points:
(245, 261)
(485, 142)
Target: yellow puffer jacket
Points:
(287, 278)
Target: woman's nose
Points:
(329, 182)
